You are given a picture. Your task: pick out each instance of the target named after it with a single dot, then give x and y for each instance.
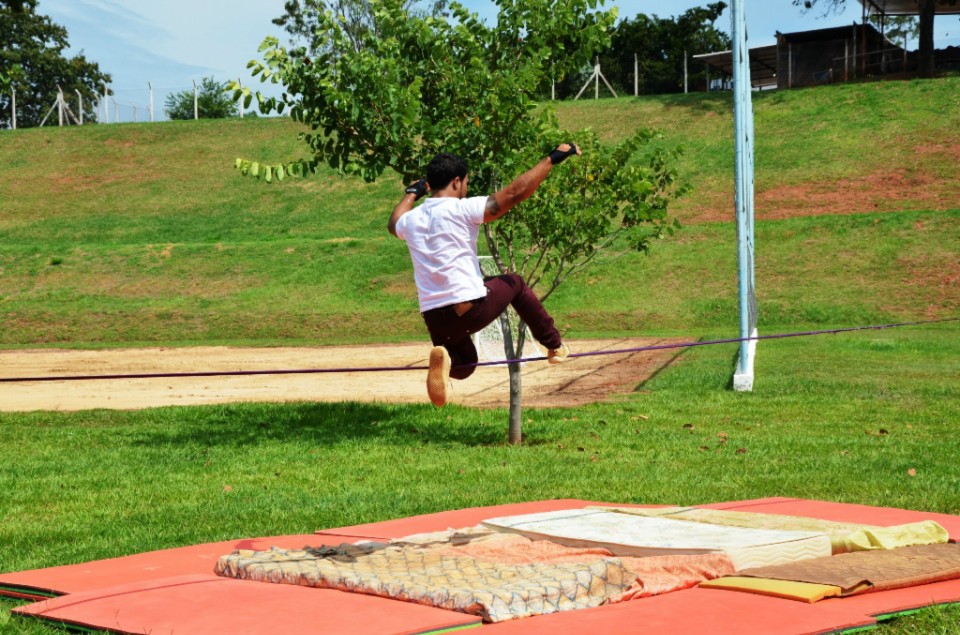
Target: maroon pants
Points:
(453, 331)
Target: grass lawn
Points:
(866, 417)
(145, 234)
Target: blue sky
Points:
(171, 43)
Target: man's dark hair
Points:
(444, 168)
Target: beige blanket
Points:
(498, 577)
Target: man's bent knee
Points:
(462, 372)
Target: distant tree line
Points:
(33, 62)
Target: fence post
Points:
(685, 73)
(196, 110)
(636, 74)
(596, 78)
(150, 86)
(60, 104)
(13, 105)
(79, 105)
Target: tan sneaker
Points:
(558, 355)
(439, 375)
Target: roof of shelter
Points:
(763, 64)
(908, 7)
(830, 33)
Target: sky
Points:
(172, 43)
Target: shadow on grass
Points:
(321, 424)
(701, 103)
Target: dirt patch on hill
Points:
(880, 191)
(580, 380)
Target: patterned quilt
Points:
(495, 577)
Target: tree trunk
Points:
(516, 405)
(516, 387)
(928, 11)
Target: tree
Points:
(33, 47)
(927, 11)
(213, 102)
(418, 85)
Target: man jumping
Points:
(456, 300)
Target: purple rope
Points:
(377, 369)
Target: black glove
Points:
(419, 188)
(558, 155)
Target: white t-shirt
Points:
(441, 235)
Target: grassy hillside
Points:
(144, 233)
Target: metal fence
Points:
(120, 105)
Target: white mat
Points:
(639, 536)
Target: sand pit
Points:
(578, 381)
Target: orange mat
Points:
(207, 604)
(166, 605)
(694, 612)
(39, 584)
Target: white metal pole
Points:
(79, 104)
(150, 86)
(743, 168)
(596, 80)
(685, 73)
(106, 104)
(636, 76)
(553, 90)
(134, 113)
(116, 111)
(196, 108)
(60, 104)
(13, 105)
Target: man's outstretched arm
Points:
(523, 187)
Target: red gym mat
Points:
(40, 584)
(693, 612)
(207, 604)
(167, 604)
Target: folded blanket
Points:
(871, 570)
